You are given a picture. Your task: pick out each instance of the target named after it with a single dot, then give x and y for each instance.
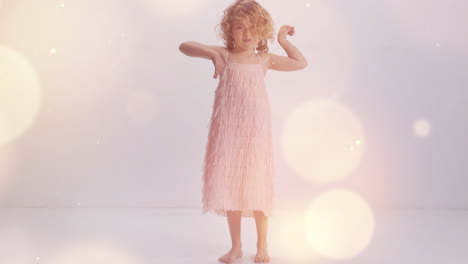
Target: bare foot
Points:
(262, 255)
(232, 255)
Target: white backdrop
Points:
(122, 115)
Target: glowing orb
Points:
(339, 224)
(19, 94)
(289, 240)
(422, 128)
(323, 141)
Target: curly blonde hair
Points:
(253, 16)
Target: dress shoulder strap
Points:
(227, 53)
(259, 58)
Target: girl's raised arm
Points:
(195, 49)
(294, 61)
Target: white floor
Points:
(151, 235)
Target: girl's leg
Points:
(261, 222)
(234, 221)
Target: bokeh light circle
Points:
(20, 94)
(323, 140)
(422, 128)
(339, 224)
(289, 240)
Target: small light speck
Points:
(53, 50)
(358, 142)
(437, 45)
(62, 5)
(308, 4)
(78, 204)
(422, 128)
(38, 258)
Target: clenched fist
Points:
(285, 30)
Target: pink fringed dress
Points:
(238, 166)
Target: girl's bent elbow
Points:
(302, 65)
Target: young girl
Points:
(238, 166)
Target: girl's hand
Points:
(285, 29)
(219, 65)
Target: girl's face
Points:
(244, 38)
